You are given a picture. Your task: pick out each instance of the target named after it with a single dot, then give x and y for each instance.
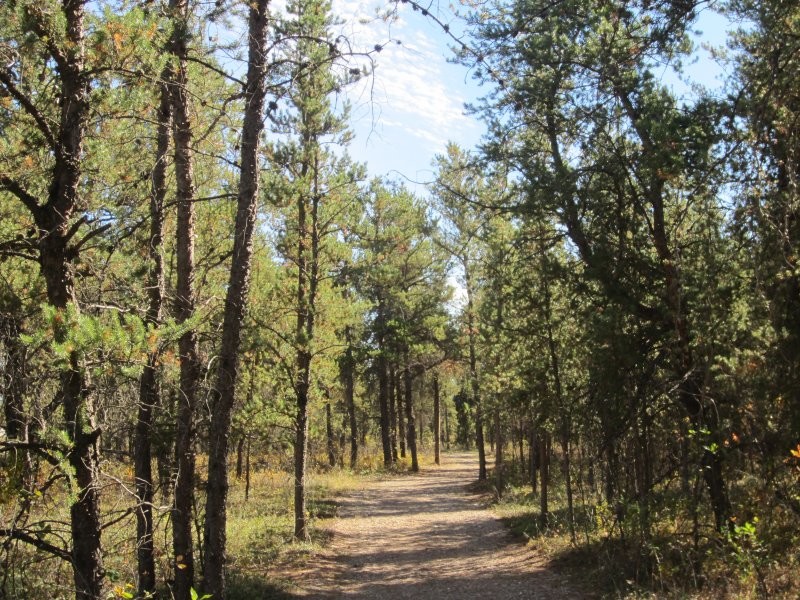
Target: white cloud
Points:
(413, 94)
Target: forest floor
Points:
(425, 536)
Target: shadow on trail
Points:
(425, 537)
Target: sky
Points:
(413, 104)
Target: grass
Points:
(261, 548)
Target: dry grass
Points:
(260, 534)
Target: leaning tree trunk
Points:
(224, 392)
(149, 397)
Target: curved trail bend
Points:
(424, 537)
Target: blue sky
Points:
(414, 104)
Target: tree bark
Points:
(544, 474)
(446, 428)
(247, 471)
(383, 387)
(54, 233)
(411, 428)
(555, 367)
(149, 397)
(329, 433)
(347, 366)
(401, 418)
(300, 454)
(473, 375)
(190, 368)
(499, 442)
(533, 451)
(240, 456)
(393, 413)
(690, 376)
(437, 422)
(224, 392)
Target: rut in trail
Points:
(425, 537)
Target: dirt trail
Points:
(425, 537)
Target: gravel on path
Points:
(426, 537)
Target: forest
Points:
(197, 282)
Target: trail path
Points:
(424, 537)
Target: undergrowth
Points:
(676, 557)
(261, 549)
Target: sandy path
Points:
(424, 537)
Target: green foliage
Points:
(623, 256)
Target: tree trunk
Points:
(383, 399)
(401, 419)
(300, 454)
(473, 375)
(307, 283)
(410, 419)
(565, 450)
(499, 442)
(446, 428)
(54, 233)
(533, 451)
(644, 476)
(224, 392)
(689, 375)
(149, 397)
(544, 473)
(346, 367)
(393, 416)
(12, 390)
(437, 424)
(329, 432)
(240, 456)
(247, 472)
(190, 367)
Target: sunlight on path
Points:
(425, 537)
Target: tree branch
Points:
(39, 449)
(30, 201)
(29, 107)
(16, 534)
